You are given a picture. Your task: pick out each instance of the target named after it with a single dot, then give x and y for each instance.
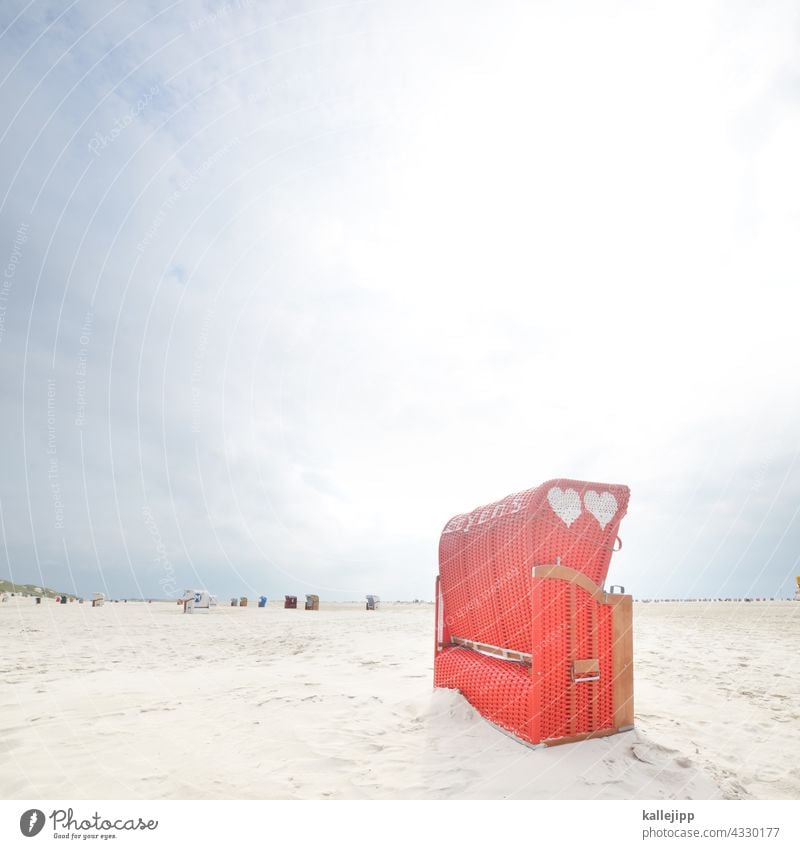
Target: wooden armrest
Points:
(573, 576)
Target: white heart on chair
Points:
(566, 504)
(602, 507)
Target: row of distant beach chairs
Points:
(312, 602)
(202, 600)
(199, 600)
(687, 600)
(290, 602)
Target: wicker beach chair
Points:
(312, 602)
(524, 628)
(290, 602)
(373, 602)
(197, 601)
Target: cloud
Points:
(309, 280)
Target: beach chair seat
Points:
(498, 689)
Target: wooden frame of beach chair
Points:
(290, 602)
(524, 628)
(312, 602)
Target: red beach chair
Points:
(524, 628)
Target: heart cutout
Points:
(566, 504)
(603, 507)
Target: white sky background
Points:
(353, 268)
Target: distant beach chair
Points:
(235, 602)
(289, 602)
(3, 596)
(797, 591)
(312, 602)
(524, 628)
(243, 601)
(372, 602)
(262, 601)
(98, 599)
(197, 601)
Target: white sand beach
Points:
(140, 701)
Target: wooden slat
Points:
(589, 735)
(495, 651)
(622, 657)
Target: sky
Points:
(286, 285)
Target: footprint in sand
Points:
(652, 753)
(769, 775)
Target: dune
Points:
(141, 701)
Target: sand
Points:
(141, 701)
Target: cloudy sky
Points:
(287, 284)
